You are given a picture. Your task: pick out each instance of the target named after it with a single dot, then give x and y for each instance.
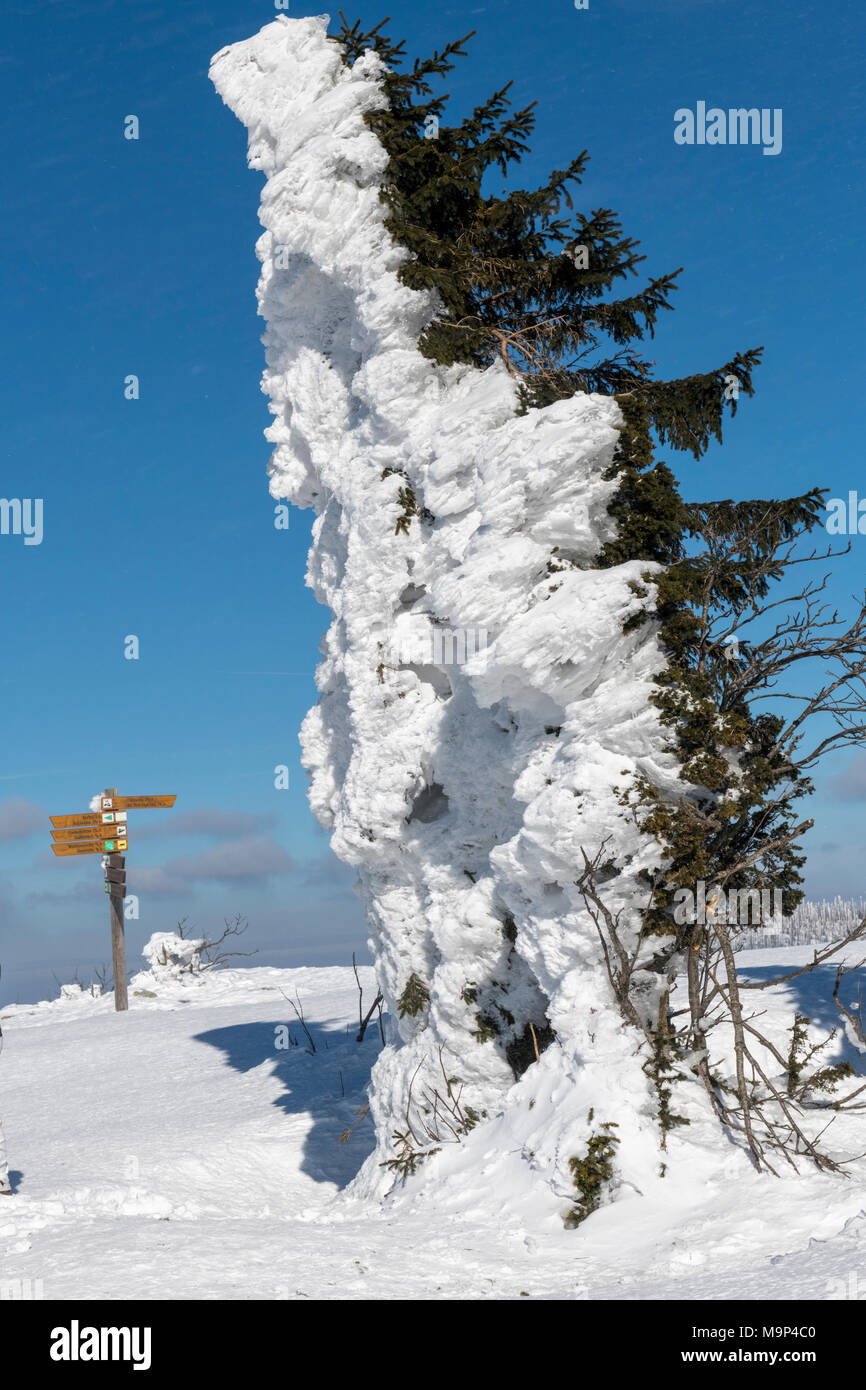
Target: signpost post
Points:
(115, 912)
(105, 832)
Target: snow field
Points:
(175, 1152)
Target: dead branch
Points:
(364, 1019)
(299, 1014)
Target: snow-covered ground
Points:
(177, 1152)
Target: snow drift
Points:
(481, 708)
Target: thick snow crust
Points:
(480, 709)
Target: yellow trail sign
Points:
(135, 803)
(91, 832)
(84, 847)
(112, 804)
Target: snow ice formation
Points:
(479, 701)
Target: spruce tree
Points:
(525, 278)
(507, 269)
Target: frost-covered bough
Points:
(464, 790)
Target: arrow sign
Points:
(117, 890)
(135, 803)
(88, 818)
(91, 832)
(111, 804)
(113, 875)
(81, 847)
(92, 847)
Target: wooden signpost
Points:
(92, 847)
(104, 832)
(79, 833)
(89, 818)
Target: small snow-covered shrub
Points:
(592, 1173)
(170, 957)
(173, 956)
(433, 1118)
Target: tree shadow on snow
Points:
(812, 995)
(328, 1084)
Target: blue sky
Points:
(124, 257)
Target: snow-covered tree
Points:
(514, 738)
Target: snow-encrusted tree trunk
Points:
(466, 791)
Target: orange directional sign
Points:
(91, 847)
(135, 803)
(81, 847)
(92, 832)
(112, 809)
(89, 818)
(84, 823)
